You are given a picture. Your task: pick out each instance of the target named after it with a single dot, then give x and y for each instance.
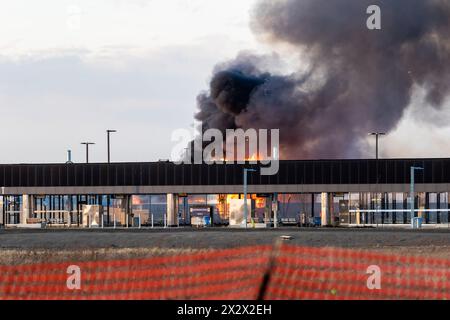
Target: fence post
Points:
(114, 217)
(139, 221)
(152, 220)
(274, 253)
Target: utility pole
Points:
(87, 144)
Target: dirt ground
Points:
(34, 246)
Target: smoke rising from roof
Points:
(357, 80)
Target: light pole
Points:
(87, 144)
(108, 198)
(377, 141)
(412, 193)
(377, 138)
(245, 194)
(69, 157)
(108, 133)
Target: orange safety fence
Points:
(281, 271)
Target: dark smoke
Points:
(357, 80)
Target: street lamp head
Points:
(111, 131)
(88, 143)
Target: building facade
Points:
(346, 192)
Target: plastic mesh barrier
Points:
(281, 271)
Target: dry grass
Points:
(20, 256)
(31, 256)
(442, 252)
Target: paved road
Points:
(219, 238)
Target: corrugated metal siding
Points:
(390, 171)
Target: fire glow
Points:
(346, 80)
(211, 147)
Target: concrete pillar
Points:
(360, 205)
(2, 215)
(129, 211)
(275, 208)
(405, 207)
(358, 217)
(448, 207)
(124, 213)
(426, 214)
(268, 210)
(27, 208)
(327, 209)
(438, 206)
(172, 210)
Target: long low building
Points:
(163, 193)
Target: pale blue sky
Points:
(69, 70)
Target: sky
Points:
(70, 70)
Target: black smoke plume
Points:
(353, 80)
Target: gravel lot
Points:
(41, 245)
(218, 238)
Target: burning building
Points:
(319, 192)
(351, 80)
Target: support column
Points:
(129, 211)
(172, 210)
(448, 208)
(27, 208)
(275, 208)
(2, 210)
(426, 214)
(438, 206)
(332, 217)
(405, 207)
(360, 206)
(327, 209)
(125, 212)
(70, 209)
(393, 205)
(268, 210)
